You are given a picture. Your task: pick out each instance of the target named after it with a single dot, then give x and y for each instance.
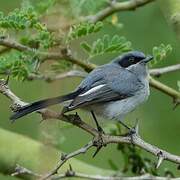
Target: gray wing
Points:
(106, 83)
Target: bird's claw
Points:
(98, 142)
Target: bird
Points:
(111, 90)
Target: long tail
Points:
(42, 104)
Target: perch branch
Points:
(159, 71)
(104, 140)
(116, 7)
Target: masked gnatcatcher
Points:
(111, 90)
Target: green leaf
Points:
(160, 53)
(83, 29)
(19, 65)
(116, 44)
(86, 46)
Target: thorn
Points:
(70, 172)
(97, 150)
(63, 156)
(160, 159)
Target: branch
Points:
(116, 7)
(99, 140)
(72, 73)
(159, 71)
(165, 89)
(64, 158)
(64, 53)
(70, 173)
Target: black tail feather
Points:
(42, 104)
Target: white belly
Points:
(118, 109)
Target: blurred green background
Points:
(159, 123)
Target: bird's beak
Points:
(148, 58)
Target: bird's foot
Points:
(132, 131)
(98, 143)
(99, 128)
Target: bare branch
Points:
(99, 177)
(165, 89)
(13, 44)
(70, 173)
(159, 71)
(22, 170)
(116, 7)
(65, 157)
(77, 73)
(71, 73)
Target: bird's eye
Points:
(131, 59)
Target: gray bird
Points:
(111, 90)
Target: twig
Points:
(64, 53)
(159, 71)
(65, 157)
(165, 89)
(116, 7)
(99, 177)
(104, 140)
(22, 170)
(77, 73)
(47, 78)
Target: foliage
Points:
(83, 29)
(20, 19)
(160, 53)
(107, 45)
(18, 65)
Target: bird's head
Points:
(133, 58)
(134, 61)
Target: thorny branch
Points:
(66, 54)
(71, 173)
(98, 140)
